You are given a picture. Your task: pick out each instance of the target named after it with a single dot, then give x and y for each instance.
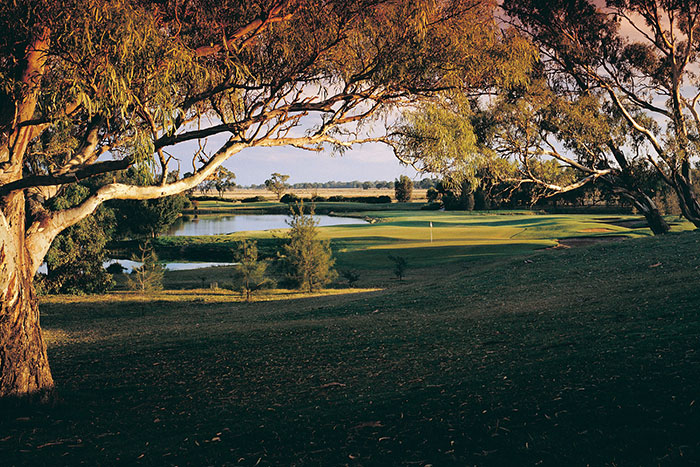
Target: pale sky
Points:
(366, 162)
(252, 166)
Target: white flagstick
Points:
(431, 231)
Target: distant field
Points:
(240, 193)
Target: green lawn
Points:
(520, 356)
(457, 236)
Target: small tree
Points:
(148, 277)
(222, 180)
(277, 184)
(403, 188)
(308, 260)
(250, 274)
(400, 265)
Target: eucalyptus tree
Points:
(93, 87)
(581, 135)
(222, 180)
(641, 56)
(277, 183)
(532, 136)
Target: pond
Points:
(222, 224)
(170, 266)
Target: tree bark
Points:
(687, 199)
(653, 216)
(24, 366)
(648, 208)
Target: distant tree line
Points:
(424, 184)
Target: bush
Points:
(148, 218)
(211, 198)
(463, 202)
(254, 199)
(290, 198)
(74, 261)
(432, 194)
(116, 268)
(431, 206)
(360, 199)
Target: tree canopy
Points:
(91, 87)
(637, 56)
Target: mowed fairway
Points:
(492, 352)
(460, 236)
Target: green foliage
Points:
(307, 259)
(74, 261)
(432, 195)
(221, 180)
(148, 218)
(277, 184)
(438, 138)
(399, 267)
(115, 268)
(290, 198)
(148, 277)
(250, 275)
(254, 199)
(403, 189)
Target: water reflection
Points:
(217, 224)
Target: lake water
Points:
(221, 224)
(170, 266)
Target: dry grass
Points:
(240, 193)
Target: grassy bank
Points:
(562, 357)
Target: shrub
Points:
(116, 268)
(432, 194)
(431, 206)
(290, 198)
(307, 259)
(360, 199)
(254, 199)
(210, 198)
